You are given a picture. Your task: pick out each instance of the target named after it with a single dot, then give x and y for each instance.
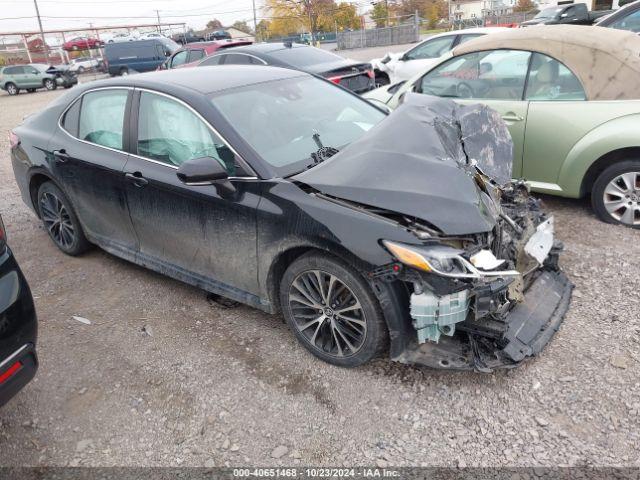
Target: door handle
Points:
(137, 179)
(512, 117)
(61, 155)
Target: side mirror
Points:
(205, 171)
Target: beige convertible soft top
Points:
(607, 61)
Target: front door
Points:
(87, 158)
(190, 230)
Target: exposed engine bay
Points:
(482, 279)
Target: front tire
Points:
(60, 220)
(332, 310)
(616, 194)
(50, 84)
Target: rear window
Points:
(303, 56)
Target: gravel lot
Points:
(161, 377)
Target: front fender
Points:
(621, 132)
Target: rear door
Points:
(186, 229)
(87, 156)
(18, 77)
(495, 78)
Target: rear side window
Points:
(195, 55)
(550, 80)
(102, 118)
(237, 59)
(71, 119)
(215, 60)
(13, 70)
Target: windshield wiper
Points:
(323, 153)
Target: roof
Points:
(271, 47)
(605, 60)
(203, 79)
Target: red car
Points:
(191, 53)
(82, 43)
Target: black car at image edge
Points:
(18, 325)
(275, 188)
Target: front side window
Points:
(171, 133)
(179, 58)
(631, 22)
(490, 75)
(284, 120)
(431, 49)
(102, 117)
(550, 80)
(31, 71)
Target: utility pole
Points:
(158, 15)
(44, 43)
(255, 21)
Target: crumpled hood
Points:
(421, 161)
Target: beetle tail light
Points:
(14, 140)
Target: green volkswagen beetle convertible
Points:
(570, 96)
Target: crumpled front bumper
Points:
(531, 325)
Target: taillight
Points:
(370, 74)
(14, 140)
(335, 80)
(13, 369)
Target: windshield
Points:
(548, 13)
(280, 118)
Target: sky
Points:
(19, 15)
(60, 14)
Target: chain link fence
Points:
(379, 37)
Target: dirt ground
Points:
(161, 377)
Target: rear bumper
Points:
(18, 329)
(531, 325)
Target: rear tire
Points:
(12, 89)
(615, 195)
(124, 72)
(332, 310)
(60, 220)
(31, 90)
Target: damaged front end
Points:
(484, 301)
(480, 272)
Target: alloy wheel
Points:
(327, 313)
(12, 89)
(622, 198)
(48, 84)
(57, 220)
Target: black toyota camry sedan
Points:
(18, 325)
(275, 188)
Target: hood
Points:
(421, 162)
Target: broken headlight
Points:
(443, 260)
